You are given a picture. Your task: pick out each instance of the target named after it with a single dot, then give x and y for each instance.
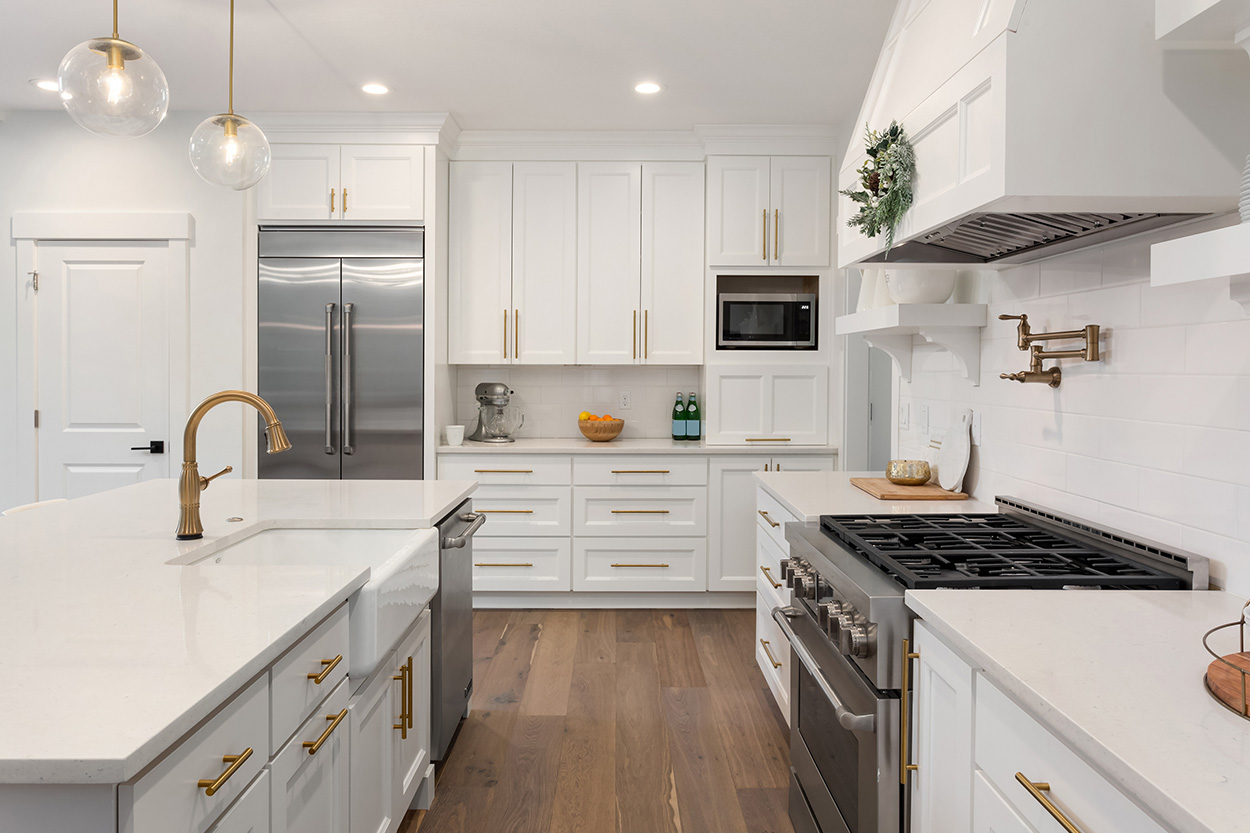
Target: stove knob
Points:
(807, 586)
(829, 613)
(797, 574)
(856, 641)
(785, 568)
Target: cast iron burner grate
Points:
(925, 551)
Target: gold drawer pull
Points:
(768, 439)
(211, 787)
(641, 471)
(503, 564)
(771, 522)
(639, 565)
(503, 471)
(405, 686)
(504, 511)
(904, 716)
(325, 672)
(769, 575)
(639, 511)
(313, 745)
(771, 658)
(1036, 788)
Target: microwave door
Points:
(766, 321)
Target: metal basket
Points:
(1244, 673)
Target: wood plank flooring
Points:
(635, 721)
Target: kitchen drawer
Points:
(767, 553)
(765, 581)
(309, 787)
(647, 511)
(506, 469)
(1010, 741)
(990, 811)
(520, 564)
(523, 510)
(168, 791)
(293, 679)
(655, 565)
(250, 814)
(621, 470)
(772, 517)
(772, 653)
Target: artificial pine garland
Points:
(887, 183)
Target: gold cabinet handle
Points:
(313, 745)
(771, 658)
(504, 511)
(646, 333)
(777, 467)
(1036, 788)
(516, 334)
(639, 511)
(641, 471)
(764, 514)
(634, 329)
(768, 574)
(331, 202)
(403, 677)
(768, 439)
(503, 471)
(776, 230)
(765, 235)
(640, 565)
(325, 672)
(210, 787)
(502, 564)
(410, 688)
(903, 766)
(505, 334)
(344, 201)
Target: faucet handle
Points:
(1014, 377)
(1020, 317)
(204, 481)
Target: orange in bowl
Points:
(601, 429)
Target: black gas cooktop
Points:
(974, 550)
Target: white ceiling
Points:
(493, 64)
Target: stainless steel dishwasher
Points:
(451, 622)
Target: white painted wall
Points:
(1154, 440)
(48, 163)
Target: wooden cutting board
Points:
(883, 489)
(1226, 684)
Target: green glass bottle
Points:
(694, 422)
(679, 419)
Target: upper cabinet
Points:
(343, 182)
(768, 211)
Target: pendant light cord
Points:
(115, 19)
(231, 110)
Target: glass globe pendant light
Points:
(112, 88)
(227, 149)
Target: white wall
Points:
(49, 163)
(1153, 440)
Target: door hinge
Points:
(36, 417)
(34, 279)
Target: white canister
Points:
(868, 279)
(881, 297)
(455, 434)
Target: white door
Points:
(311, 790)
(798, 401)
(382, 182)
(479, 262)
(799, 211)
(768, 405)
(544, 262)
(102, 385)
(299, 183)
(672, 262)
(941, 738)
(731, 532)
(736, 410)
(375, 715)
(737, 205)
(412, 754)
(609, 210)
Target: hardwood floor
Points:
(636, 721)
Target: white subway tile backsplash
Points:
(1190, 501)
(1202, 302)
(1218, 454)
(1077, 272)
(1222, 349)
(1230, 566)
(1150, 527)
(1152, 445)
(1109, 483)
(1152, 350)
(1118, 306)
(1014, 285)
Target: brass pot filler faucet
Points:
(1053, 375)
(191, 484)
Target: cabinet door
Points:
(383, 182)
(672, 262)
(310, 791)
(799, 211)
(991, 813)
(941, 737)
(412, 754)
(804, 463)
(519, 564)
(298, 184)
(737, 202)
(544, 262)
(798, 402)
(609, 207)
(736, 408)
(250, 814)
(731, 532)
(375, 714)
(768, 404)
(479, 262)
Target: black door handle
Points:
(154, 447)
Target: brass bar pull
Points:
(904, 719)
(639, 565)
(641, 471)
(765, 235)
(210, 787)
(410, 688)
(329, 377)
(639, 511)
(768, 574)
(313, 745)
(516, 334)
(331, 202)
(777, 467)
(771, 658)
(764, 514)
(504, 511)
(505, 334)
(646, 333)
(768, 439)
(503, 564)
(325, 672)
(767, 467)
(634, 329)
(345, 201)
(1036, 788)
(346, 359)
(776, 231)
(402, 725)
(503, 471)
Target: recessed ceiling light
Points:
(647, 87)
(375, 89)
(45, 84)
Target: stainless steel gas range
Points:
(848, 629)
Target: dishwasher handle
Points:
(458, 541)
(847, 719)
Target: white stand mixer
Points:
(496, 420)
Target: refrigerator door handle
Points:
(347, 379)
(329, 378)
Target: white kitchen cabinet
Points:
(522, 563)
(763, 404)
(991, 813)
(672, 262)
(645, 511)
(412, 749)
(250, 814)
(375, 713)
(772, 652)
(479, 262)
(343, 182)
(310, 787)
(768, 211)
(941, 738)
(647, 565)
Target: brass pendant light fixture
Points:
(227, 149)
(112, 88)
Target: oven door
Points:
(843, 738)
(766, 320)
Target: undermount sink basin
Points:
(403, 576)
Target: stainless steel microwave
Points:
(766, 320)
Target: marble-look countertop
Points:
(1117, 675)
(656, 445)
(810, 494)
(112, 652)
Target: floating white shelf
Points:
(954, 327)
(1222, 253)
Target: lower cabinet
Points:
(647, 565)
(521, 564)
(250, 814)
(941, 738)
(990, 811)
(309, 779)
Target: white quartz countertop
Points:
(810, 494)
(657, 445)
(1117, 675)
(112, 653)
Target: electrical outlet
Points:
(624, 403)
(976, 427)
(924, 419)
(904, 415)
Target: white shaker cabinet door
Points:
(544, 262)
(310, 786)
(250, 814)
(737, 210)
(479, 261)
(672, 262)
(941, 738)
(412, 753)
(299, 183)
(799, 214)
(990, 811)
(609, 207)
(768, 405)
(375, 716)
(731, 523)
(383, 182)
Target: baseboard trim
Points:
(488, 601)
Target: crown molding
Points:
(770, 139)
(406, 128)
(579, 145)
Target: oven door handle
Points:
(848, 720)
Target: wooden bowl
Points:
(601, 430)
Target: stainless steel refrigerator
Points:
(342, 351)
